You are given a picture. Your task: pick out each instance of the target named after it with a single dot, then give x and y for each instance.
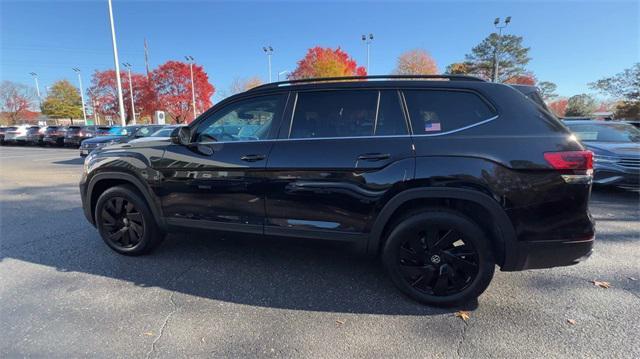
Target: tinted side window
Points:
(433, 111)
(390, 117)
(245, 120)
(334, 114)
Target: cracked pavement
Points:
(63, 293)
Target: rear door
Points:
(340, 154)
(218, 181)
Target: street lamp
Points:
(269, 51)
(84, 111)
(282, 73)
(117, 66)
(496, 52)
(193, 85)
(133, 106)
(367, 41)
(35, 78)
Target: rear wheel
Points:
(439, 257)
(125, 222)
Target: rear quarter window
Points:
(435, 111)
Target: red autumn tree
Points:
(172, 85)
(15, 100)
(103, 94)
(326, 62)
(524, 79)
(559, 107)
(416, 62)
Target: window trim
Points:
(475, 124)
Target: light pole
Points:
(84, 111)
(367, 41)
(133, 106)
(35, 78)
(282, 73)
(193, 85)
(496, 52)
(123, 120)
(269, 51)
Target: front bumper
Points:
(613, 174)
(551, 253)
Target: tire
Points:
(439, 257)
(125, 222)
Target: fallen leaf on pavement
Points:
(464, 315)
(149, 334)
(601, 284)
(571, 321)
(633, 278)
(339, 322)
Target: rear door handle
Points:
(253, 158)
(374, 156)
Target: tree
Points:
(103, 93)
(416, 62)
(16, 100)
(624, 86)
(512, 58)
(459, 68)
(559, 107)
(547, 90)
(239, 85)
(172, 86)
(326, 62)
(63, 101)
(524, 79)
(580, 105)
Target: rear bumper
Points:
(551, 253)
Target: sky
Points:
(572, 42)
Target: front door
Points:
(341, 155)
(217, 182)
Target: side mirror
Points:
(181, 136)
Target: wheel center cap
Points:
(435, 259)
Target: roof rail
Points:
(373, 77)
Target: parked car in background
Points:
(442, 179)
(17, 135)
(635, 123)
(118, 135)
(616, 151)
(3, 130)
(75, 135)
(54, 135)
(35, 135)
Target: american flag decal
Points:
(432, 127)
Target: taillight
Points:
(574, 166)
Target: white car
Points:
(17, 135)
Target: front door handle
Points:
(374, 156)
(253, 158)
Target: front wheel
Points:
(125, 222)
(439, 257)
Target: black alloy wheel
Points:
(438, 256)
(123, 223)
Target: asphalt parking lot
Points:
(63, 293)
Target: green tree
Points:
(580, 105)
(547, 90)
(63, 101)
(459, 68)
(512, 57)
(624, 86)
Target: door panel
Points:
(319, 185)
(218, 181)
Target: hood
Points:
(104, 139)
(149, 139)
(628, 149)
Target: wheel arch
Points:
(105, 180)
(499, 226)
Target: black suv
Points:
(444, 177)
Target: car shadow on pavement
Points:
(73, 161)
(265, 272)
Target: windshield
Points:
(121, 131)
(606, 132)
